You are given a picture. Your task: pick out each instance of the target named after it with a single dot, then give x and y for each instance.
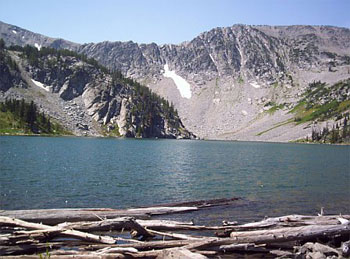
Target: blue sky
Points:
(163, 21)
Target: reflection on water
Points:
(38, 172)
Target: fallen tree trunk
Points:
(57, 230)
(123, 223)
(56, 216)
(290, 233)
(275, 235)
(267, 236)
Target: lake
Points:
(273, 179)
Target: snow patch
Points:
(14, 31)
(41, 85)
(212, 59)
(182, 85)
(245, 113)
(255, 85)
(37, 46)
(216, 100)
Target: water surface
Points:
(273, 178)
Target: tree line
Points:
(29, 117)
(339, 133)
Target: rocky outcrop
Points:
(85, 98)
(225, 81)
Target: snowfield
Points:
(41, 85)
(182, 85)
(37, 46)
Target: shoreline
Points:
(157, 138)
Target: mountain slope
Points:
(226, 81)
(82, 95)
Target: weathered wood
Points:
(179, 253)
(56, 216)
(265, 236)
(124, 223)
(175, 235)
(61, 231)
(161, 210)
(148, 245)
(289, 233)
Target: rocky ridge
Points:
(235, 75)
(84, 96)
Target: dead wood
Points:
(57, 230)
(175, 235)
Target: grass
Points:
(275, 126)
(240, 80)
(112, 133)
(275, 108)
(321, 112)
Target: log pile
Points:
(130, 236)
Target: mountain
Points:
(239, 83)
(84, 96)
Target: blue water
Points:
(272, 178)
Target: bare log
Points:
(175, 235)
(124, 223)
(290, 233)
(56, 216)
(61, 231)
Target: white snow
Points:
(41, 85)
(14, 31)
(182, 85)
(212, 59)
(245, 113)
(37, 46)
(216, 100)
(255, 84)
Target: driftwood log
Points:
(56, 216)
(286, 236)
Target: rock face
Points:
(84, 97)
(232, 76)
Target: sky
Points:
(163, 21)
